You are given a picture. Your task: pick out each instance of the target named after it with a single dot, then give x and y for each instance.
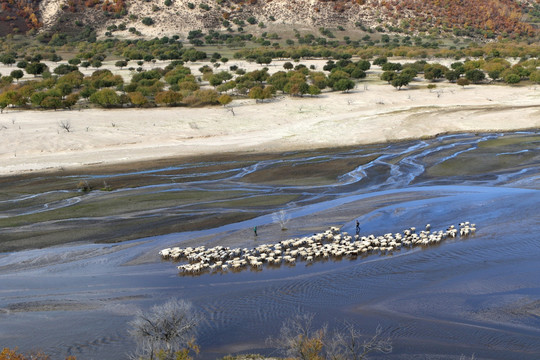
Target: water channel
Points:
(75, 266)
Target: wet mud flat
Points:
(147, 199)
(475, 296)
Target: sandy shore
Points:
(33, 141)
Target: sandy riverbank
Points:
(34, 141)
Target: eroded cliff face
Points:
(51, 10)
(182, 16)
(170, 17)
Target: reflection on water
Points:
(479, 295)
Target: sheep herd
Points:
(331, 244)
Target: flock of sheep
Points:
(331, 244)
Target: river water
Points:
(75, 266)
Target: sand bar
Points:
(33, 141)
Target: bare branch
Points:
(165, 329)
(281, 218)
(348, 344)
(66, 125)
(298, 338)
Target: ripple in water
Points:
(478, 295)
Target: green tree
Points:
(71, 100)
(434, 71)
(105, 98)
(337, 75)
(296, 87)
(400, 80)
(225, 99)
(409, 72)
(51, 102)
(535, 77)
(36, 68)
(188, 85)
(258, 75)
(256, 93)
(215, 80)
(260, 93)
(358, 74)
(11, 98)
(37, 98)
(56, 58)
(268, 92)
(363, 65)
(392, 67)
(451, 75)
(229, 85)
(343, 85)
(512, 78)
(380, 61)
(206, 97)
(459, 67)
(58, 40)
(74, 79)
(475, 76)
(278, 80)
(137, 99)
(17, 74)
(388, 76)
(319, 80)
(168, 97)
(65, 69)
(5, 80)
(97, 64)
(494, 74)
(463, 82)
(288, 65)
(263, 60)
(4, 102)
(64, 88)
(147, 21)
(121, 63)
(7, 59)
(87, 91)
(177, 74)
(313, 90)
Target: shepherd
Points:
(357, 227)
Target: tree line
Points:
(175, 85)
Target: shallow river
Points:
(76, 266)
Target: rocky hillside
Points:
(478, 18)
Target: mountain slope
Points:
(485, 18)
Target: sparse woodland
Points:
(403, 29)
(65, 87)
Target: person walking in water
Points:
(357, 227)
(255, 230)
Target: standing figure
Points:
(357, 227)
(255, 230)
